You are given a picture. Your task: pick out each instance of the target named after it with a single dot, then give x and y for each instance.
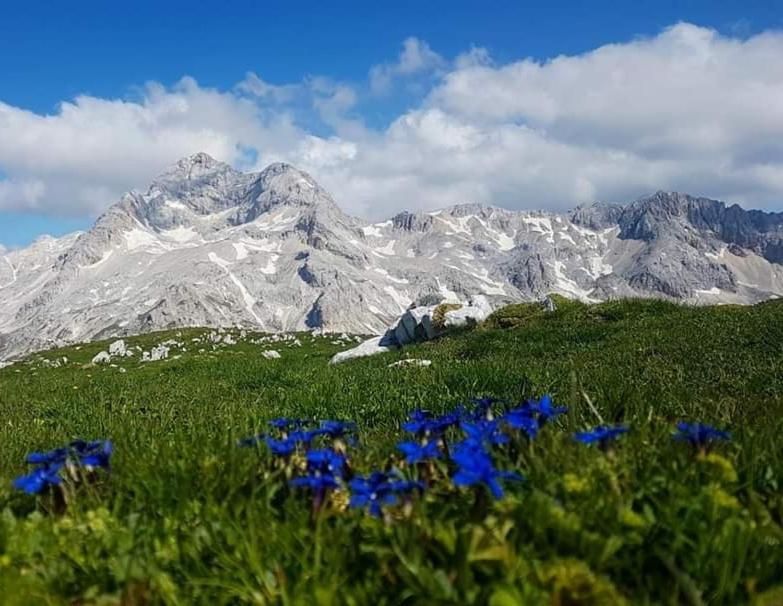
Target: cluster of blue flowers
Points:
(77, 456)
(293, 434)
(379, 489)
(471, 457)
(327, 468)
(461, 441)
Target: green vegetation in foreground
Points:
(186, 517)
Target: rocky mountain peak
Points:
(194, 169)
(282, 184)
(209, 245)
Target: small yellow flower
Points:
(65, 523)
(724, 467)
(298, 461)
(721, 498)
(96, 520)
(340, 500)
(631, 519)
(573, 484)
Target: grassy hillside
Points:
(187, 517)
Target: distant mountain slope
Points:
(208, 245)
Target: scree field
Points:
(185, 515)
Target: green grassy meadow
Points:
(187, 517)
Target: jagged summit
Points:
(210, 245)
(198, 162)
(194, 168)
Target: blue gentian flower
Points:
(283, 423)
(447, 420)
(546, 412)
(58, 455)
(90, 455)
(325, 469)
(601, 434)
(699, 434)
(379, 489)
(415, 451)
(316, 482)
(373, 492)
(36, 481)
(95, 454)
(475, 466)
(326, 462)
(303, 437)
(405, 486)
(335, 429)
(522, 418)
(280, 448)
(484, 432)
(420, 422)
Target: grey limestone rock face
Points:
(206, 245)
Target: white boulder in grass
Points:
(161, 352)
(419, 324)
(370, 347)
(478, 311)
(102, 358)
(271, 354)
(118, 349)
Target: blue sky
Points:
(322, 105)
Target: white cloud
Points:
(255, 86)
(80, 159)
(25, 194)
(687, 110)
(416, 57)
(688, 90)
(331, 99)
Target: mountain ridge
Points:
(209, 245)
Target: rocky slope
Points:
(208, 245)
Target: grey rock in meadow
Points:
(271, 354)
(101, 358)
(420, 324)
(370, 347)
(118, 349)
(157, 353)
(206, 245)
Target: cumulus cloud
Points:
(26, 195)
(257, 87)
(81, 158)
(689, 110)
(415, 58)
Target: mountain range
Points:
(207, 245)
